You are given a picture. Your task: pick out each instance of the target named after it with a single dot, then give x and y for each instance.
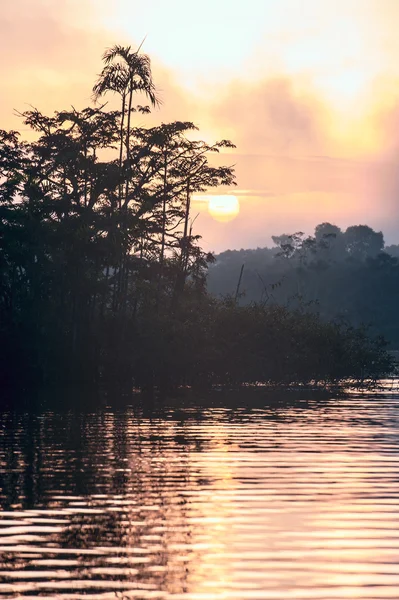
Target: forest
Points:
(103, 280)
(347, 276)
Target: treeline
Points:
(102, 279)
(349, 276)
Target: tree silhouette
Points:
(126, 73)
(102, 276)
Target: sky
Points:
(308, 90)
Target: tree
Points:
(126, 73)
(392, 250)
(102, 277)
(354, 285)
(326, 231)
(362, 242)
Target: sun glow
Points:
(223, 208)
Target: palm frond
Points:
(125, 72)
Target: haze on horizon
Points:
(308, 92)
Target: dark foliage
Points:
(345, 276)
(102, 279)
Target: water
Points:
(295, 502)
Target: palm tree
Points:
(125, 73)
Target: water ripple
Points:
(296, 502)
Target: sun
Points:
(223, 208)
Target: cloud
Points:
(52, 52)
(272, 117)
(292, 144)
(54, 55)
(297, 171)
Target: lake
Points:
(298, 501)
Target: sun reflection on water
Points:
(291, 503)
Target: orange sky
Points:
(308, 90)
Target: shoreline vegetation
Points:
(103, 281)
(348, 275)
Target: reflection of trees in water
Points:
(149, 501)
(82, 454)
(48, 456)
(117, 482)
(21, 461)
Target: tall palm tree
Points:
(125, 73)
